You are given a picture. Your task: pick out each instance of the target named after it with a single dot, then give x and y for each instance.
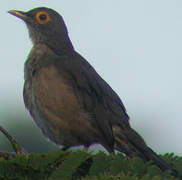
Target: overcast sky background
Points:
(136, 46)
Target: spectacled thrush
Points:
(67, 98)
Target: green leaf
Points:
(69, 166)
(101, 163)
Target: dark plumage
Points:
(67, 98)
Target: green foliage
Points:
(67, 165)
(101, 164)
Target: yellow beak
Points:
(19, 14)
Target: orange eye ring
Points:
(42, 17)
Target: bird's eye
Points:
(42, 17)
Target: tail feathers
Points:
(131, 144)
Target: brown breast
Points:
(57, 108)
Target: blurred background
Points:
(134, 45)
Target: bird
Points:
(68, 100)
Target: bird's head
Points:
(45, 26)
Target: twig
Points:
(17, 148)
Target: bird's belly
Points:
(61, 132)
(58, 112)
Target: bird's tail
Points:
(132, 144)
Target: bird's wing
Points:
(90, 84)
(94, 93)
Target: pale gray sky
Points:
(134, 45)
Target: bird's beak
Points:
(19, 14)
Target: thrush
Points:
(68, 99)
